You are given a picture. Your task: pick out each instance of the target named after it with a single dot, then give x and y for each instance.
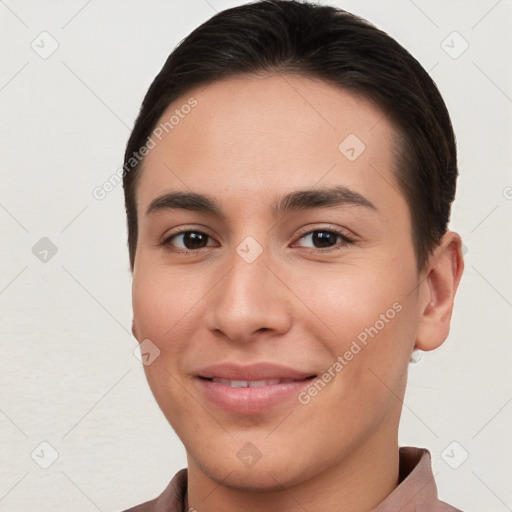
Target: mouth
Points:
(255, 372)
(257, 391)
(254, 383)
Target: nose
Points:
(249, 299)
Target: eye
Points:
(186, 241)
(324, 240)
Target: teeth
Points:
(237, 383)
(250, 383)
(259, 383)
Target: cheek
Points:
(161, 302)
(374, 320)
(161, 307)
(357, 303)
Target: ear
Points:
(134, 329)
(440, 284)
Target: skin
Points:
(248, 141)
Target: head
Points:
(269, 125)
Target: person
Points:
(288, 185)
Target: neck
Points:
(358, 483)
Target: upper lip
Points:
(256, 371)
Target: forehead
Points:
(255, 135)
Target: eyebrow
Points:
(337, 196)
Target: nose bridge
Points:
(248, 297)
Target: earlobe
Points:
(442, 280)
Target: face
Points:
(311, 300)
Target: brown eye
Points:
(188, 240)
(325, 239)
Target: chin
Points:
(255, 480)
(263, 476)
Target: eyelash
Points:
(345, 241)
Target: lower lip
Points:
(250, 401)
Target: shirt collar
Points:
(416, 489)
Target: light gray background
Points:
(68, 375)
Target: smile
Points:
(251, 383)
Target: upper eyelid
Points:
(303, 232)
(201, 230)
(330, 227)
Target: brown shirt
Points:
(417, 491)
